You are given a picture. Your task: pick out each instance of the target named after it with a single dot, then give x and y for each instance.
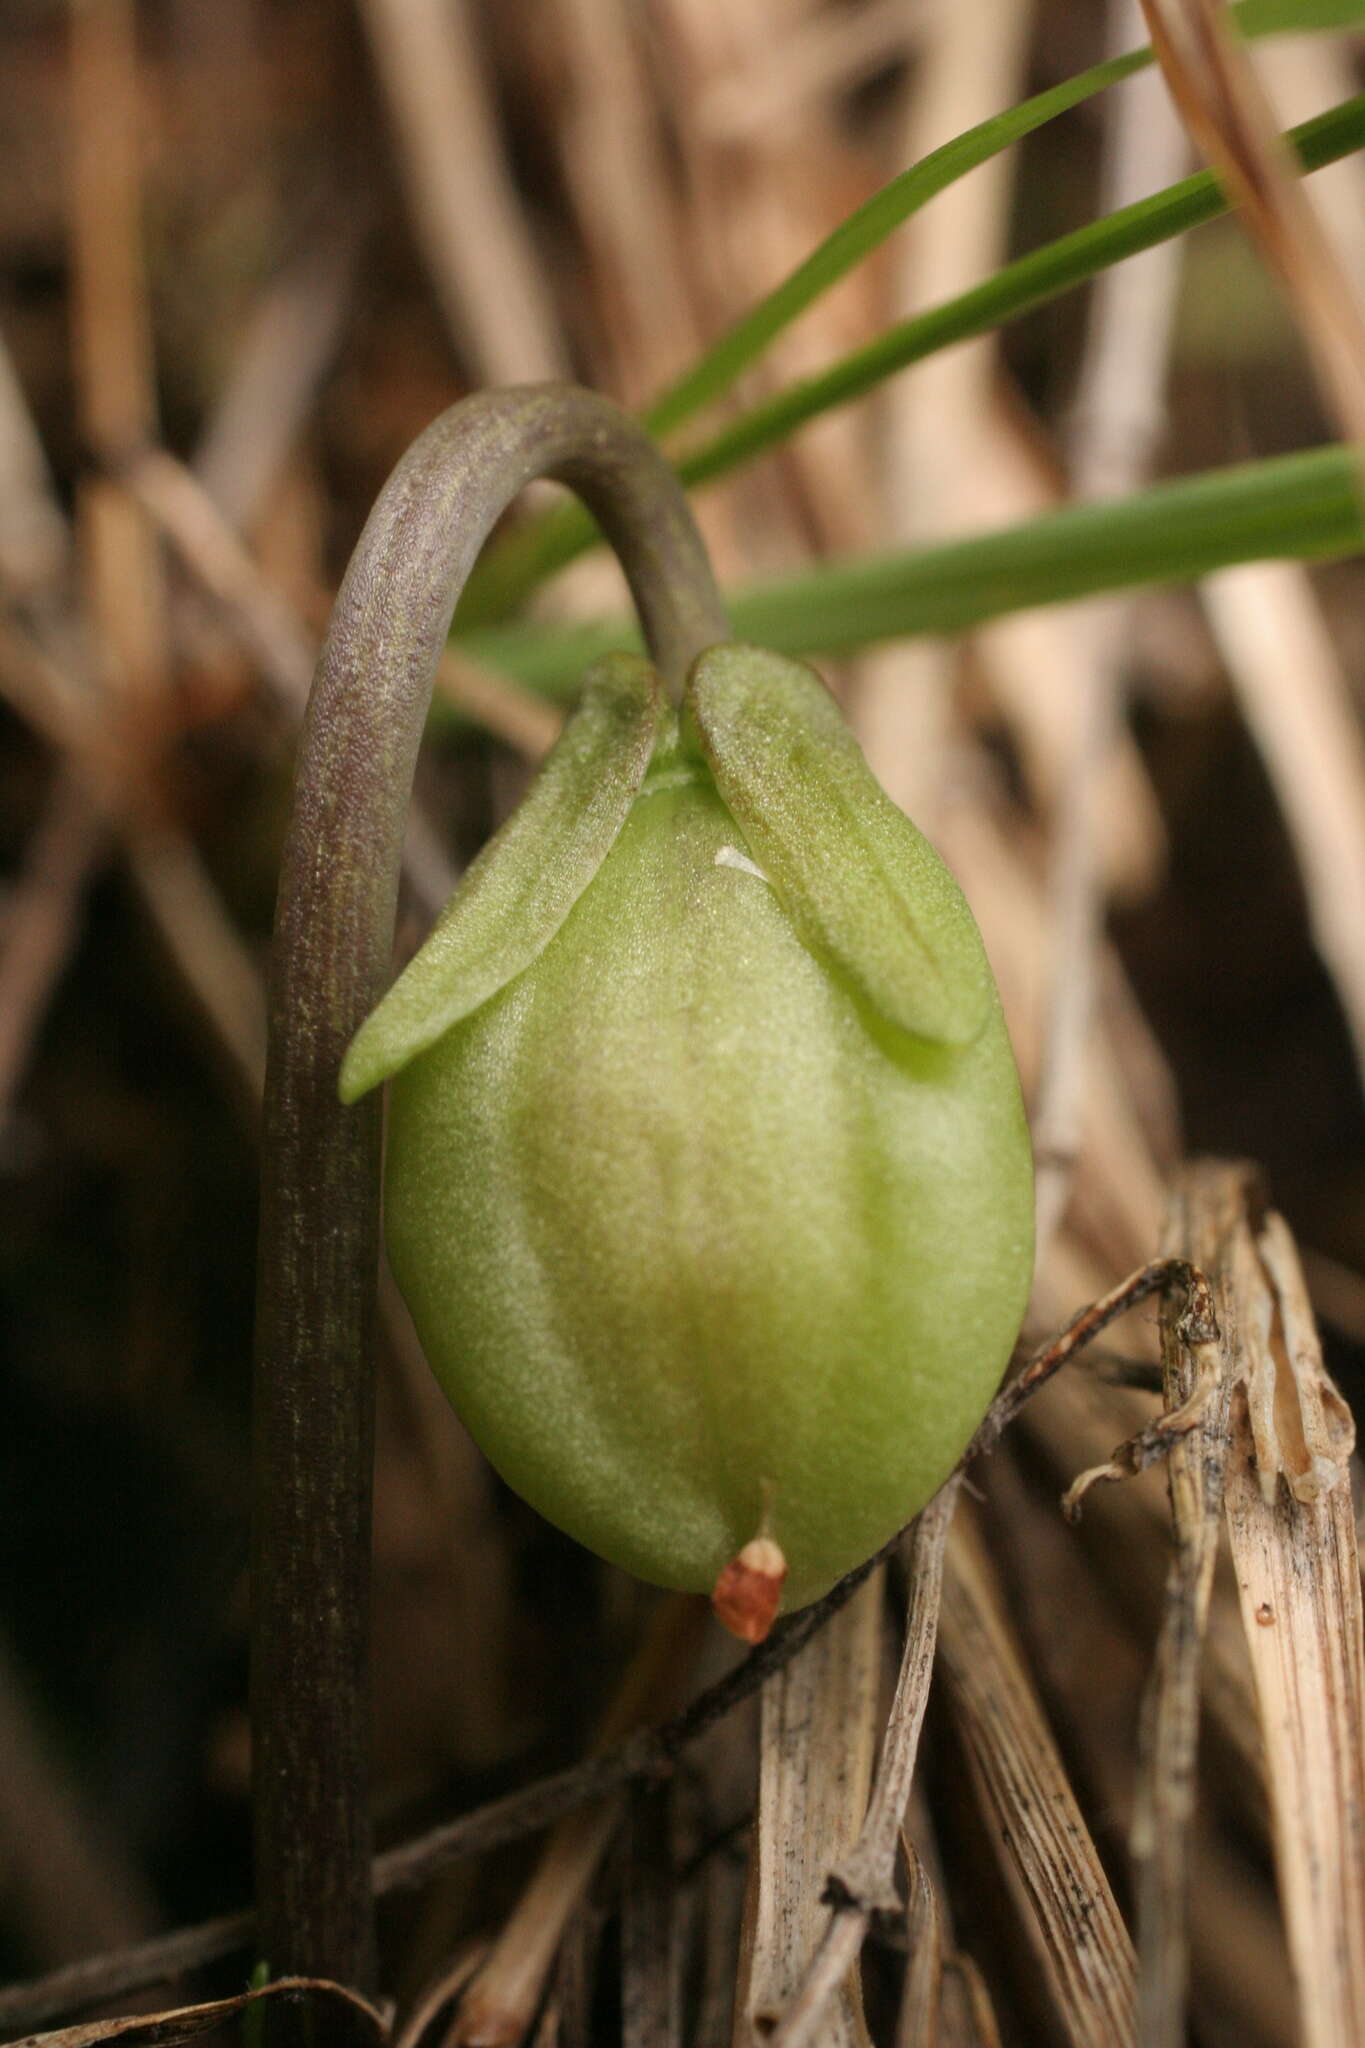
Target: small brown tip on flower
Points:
(748, 1590)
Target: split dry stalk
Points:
(1071, 1918)
(818, 1735)
(1293, 1533)
(863, 1883)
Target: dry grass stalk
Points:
(828, 53)
(1301, 75)
(438, 1997)
(863, 1882)
(922, 1992)
(69, 1886)
(39, 689)
(818, 1734)
(483, 263)
(615, 162)
(756, 209)
(1071, 1917)
(502, 2000)
(1293, 1533)
(181, 507)
(966, 2018)
(40, 922)
(215, 966)
(1118, 418)
(1297, 702)
(34, 544)
(1225, 108)
(324, 2002)
(651, 1988)
(285, 352)
(113, 347)
(516, 716)
(937, 424)
(1203, 1205)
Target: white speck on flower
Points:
(731, 857)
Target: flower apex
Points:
(747, 1593)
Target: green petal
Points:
(518, 892)
(864, 890)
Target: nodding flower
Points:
(708, 1183)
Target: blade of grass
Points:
(1300, 506)
(546, 544)
(869, 225)
(1020, 286)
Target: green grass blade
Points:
(865, 230)
(1302, 506)
(546, 544)
(1020, 286)
(889, 208)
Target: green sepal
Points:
(515, 896)
(864, 889)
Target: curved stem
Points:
(313, 1413)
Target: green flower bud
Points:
(708, 1182)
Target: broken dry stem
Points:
(1293, 1535)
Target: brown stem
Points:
(313, 1418)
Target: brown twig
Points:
(316, 1996)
